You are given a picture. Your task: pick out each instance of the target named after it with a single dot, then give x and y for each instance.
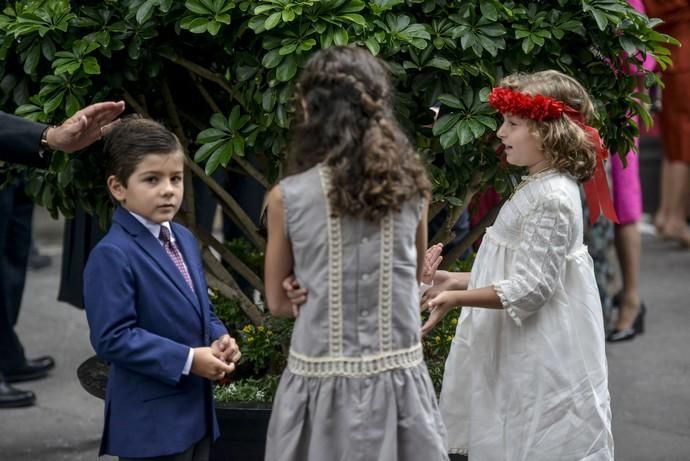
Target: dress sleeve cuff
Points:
(509, 308)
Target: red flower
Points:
(537, 107)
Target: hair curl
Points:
(344, 117)
(565, 143)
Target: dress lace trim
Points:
(385, 285)
(354, 367)
(335, 279)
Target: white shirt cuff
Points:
(423, 287)
(188, 363)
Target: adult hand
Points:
(207, 364)
(227, 349)
(85, 127)
(295, 293)
(439, 306)
(432, 258)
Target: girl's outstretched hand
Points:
(432, 258)
(295, 293)
(438, 307)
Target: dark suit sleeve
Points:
(20, 141)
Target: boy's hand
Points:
(295, 293)
(226, 349)
(432, 258)
(207, 364)
(438, 307)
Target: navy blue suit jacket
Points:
(143, 318)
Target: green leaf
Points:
(450, 101)
(356, 18)
(211, 135)
(32, 58)
(464, 133)
(145, 11)
(272, 59)
(340, 37)
(206, 150)
(213, 28)
(238, 146)
(287, 69)
(373, 45)
(219, 122)
(488, 10)
(445, 123)
(272, 21)
(91, 66)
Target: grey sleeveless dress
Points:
(356, 387)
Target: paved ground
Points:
(649, 377)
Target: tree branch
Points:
(208, 75)
(219, 278)
(133, 103)
(230, 206)
(237, 264)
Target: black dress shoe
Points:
(11, 397)
(629, 333)
(31, 369)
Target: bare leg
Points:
(675, 227)
(665, 193)
(628, 249)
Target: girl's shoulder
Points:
(553, 186)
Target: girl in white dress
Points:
(526, 378)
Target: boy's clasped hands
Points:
(218, 360)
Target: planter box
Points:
(242, 432)
(242, 425)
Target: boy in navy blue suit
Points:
(148, 309)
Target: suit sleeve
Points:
(109, 300)
(20, 141)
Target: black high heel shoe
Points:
(627, 334)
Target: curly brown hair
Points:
(344, 118)
(565, 142)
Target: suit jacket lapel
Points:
(188, 250)
(155, 250)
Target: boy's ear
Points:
(116, 188)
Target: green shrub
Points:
(220, 73)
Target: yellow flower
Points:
(437, 339)
(248, 328)
(250, 339)
(261, 328)
(269, 333)
(454, 322)
(449, 338)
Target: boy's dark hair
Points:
(344, 104)
(130, 140)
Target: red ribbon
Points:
(596, 188)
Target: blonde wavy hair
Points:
(565, 143)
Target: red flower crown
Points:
(538, 107)
(542, 108)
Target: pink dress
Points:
(627, 193)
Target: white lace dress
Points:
(529, 382)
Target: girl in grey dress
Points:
(350, 223)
